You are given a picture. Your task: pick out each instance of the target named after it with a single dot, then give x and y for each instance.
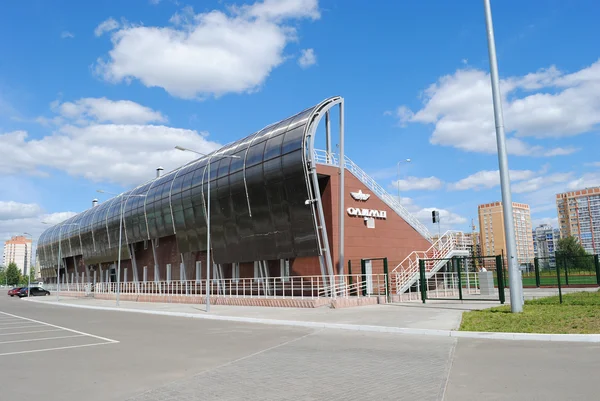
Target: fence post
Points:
(597, 265)
(558, 279)
(423, 280)
(363, 271)
(566, 271)
(456, 261)
(387, 280)
(536, 264)
(500, 277)
(350, 270)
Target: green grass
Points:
(579, 314)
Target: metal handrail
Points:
(304, 287)
(323, 157)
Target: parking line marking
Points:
(60, 327)
(29, 332)
(56, 349)
(20, 327)
(8, 324)
(40, 339)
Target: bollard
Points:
(536, 264)
(597, 265)
(423, 280)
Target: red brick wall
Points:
(393, 237)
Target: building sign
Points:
(360, 196)
(356, 211)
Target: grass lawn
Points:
(579, 314)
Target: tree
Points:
(25, 280)
(570, 254)
(2, 275)
(13, 274)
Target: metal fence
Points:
(460, 278)
(564, 270)
(301, 287)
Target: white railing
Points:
(301, 287)
(452, 243)
(322, 157)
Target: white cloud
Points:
(553, 221)
(448, 219)
(210, 53)
(28, 218)
(547, 103)
(307, 58)
(106, 26)
(67, 35)
(14, 210)
(124, 154)
(486, 179)
(537, 183)
(102, 140)
(105, 110)
(418, 183)
(587, 180)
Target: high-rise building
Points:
(579, 216)
(545, 240)
(491, 228)
(18, 250)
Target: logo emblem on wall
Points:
(356, 211)
(360, 196)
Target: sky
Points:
(96, 95)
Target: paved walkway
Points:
(435, 315)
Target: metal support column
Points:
(133, 263)
(328, 136)
(156, 269)
(342, 214)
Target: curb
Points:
(580, 338)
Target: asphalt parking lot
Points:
(62, 354)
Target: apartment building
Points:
(18, 250)
(545, 241)
(492, 236)
(579, 216)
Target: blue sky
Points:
(97, 94)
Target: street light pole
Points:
(121, 217)
(208, 261)
(29, 270)
(398, 176)
(515, 280)
(59, 256)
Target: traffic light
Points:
(435, 216)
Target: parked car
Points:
(14, 291)
(33, 291)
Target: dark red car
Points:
(14, 291)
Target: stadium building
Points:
(279, 209)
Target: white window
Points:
(284, 267)
(235, 272)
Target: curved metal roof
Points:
(258, 209)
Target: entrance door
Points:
(369, 276)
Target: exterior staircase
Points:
(403, 276)
(449, 245)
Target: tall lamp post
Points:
(59, 255)
(398, 175)
(208, 263)
(29, 269)
(515, 279)
(120, 237)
